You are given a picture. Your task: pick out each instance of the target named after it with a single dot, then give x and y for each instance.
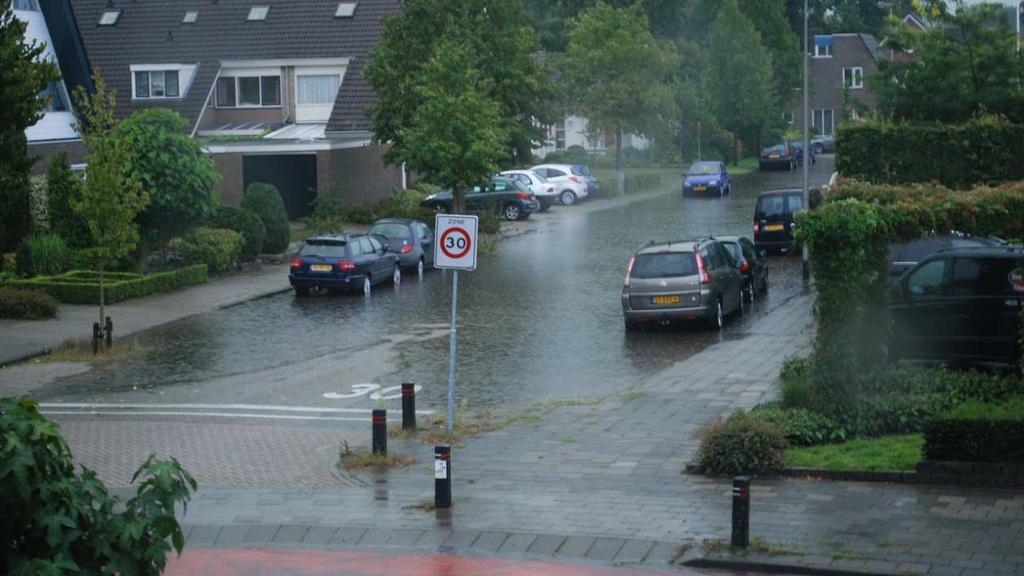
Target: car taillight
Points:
(629, 272)
(522, 195)
(745, 267)
(576, 179)
(406, 249)
(297, 263)
(702, 271)
(757, 229)
(346, 265)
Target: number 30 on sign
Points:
(455, 242)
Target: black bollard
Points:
(380, 432)
(109, 329)
(408, 406)
(442, 476)
(741, 511)
(96, 338)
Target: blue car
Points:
(343, 262)
(706, 179)
(798, 149)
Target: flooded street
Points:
(539, 319)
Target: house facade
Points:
(839, 67)
(273, 88)
(572, 131)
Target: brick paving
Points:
(596, 481)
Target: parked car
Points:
(774, 221)
(798, 150)
(708, 177)
(571, 186)
(343, 262)
(824, 144)
(903, 257)
(593, 184)
(753, 265)
(511, 198)
(962, 304)
(693, 280)
(412, 240)
(778, 156)
(543, 190)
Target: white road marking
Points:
(252, 407)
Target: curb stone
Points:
(775, 568)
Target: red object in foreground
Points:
(231, 562)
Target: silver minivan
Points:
(692, 280)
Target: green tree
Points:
(965, 66)
(618, 75)
(737, 77)
(501, 47)
(61, 187)
(456, 134)
(24, 73)
(177, 175)
(58, 520)
(111, 198)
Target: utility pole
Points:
(806, 265)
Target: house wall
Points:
(575, 135)
(827, 91)
(359, 175)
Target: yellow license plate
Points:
(320, 267)
(774, 228)
(700, 188)
(666, 299)
(774, 156)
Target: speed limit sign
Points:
(455, 242)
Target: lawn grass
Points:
(744, 166)
(873, 454)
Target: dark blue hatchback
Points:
(343, 262)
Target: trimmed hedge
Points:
(740, 444)
(959, 156)
(216, 247)
(976, 432)
(246, 223)
(26, 304)
(82, 286)
(265, 202)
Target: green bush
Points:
(265, 201)
(328, 215)
(331, 215)
(26, 304)
(740, 444)
(216, 247)
(60, 519)
(245, 223)
(61, 186)
(978, 432)
(9, 263)
(42, 255)
(82, 286)
(802, 427)
(983, 151)
(87, 259)
(490, 222)
(574, 154)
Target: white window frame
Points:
(316, 113)
(176, 70)
(818, 130)
(822, 50)
(259, 75)
(856, 77)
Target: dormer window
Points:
(156, 84)
(346, 10)
(258, 13)
(109, 18)
(26, 5)
(190, 17)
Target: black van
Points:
(961, 305)
(773, 218)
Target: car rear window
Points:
(664, 265)
(391, 230)
(323, 249)
(776, 148)
(769, 206)
(734, 249)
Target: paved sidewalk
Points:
(22, 339)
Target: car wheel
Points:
(764, 286)
(749, 292)
(513, 212)
(568, 197)
(420, 267)
(716, 321)
(396, 275)
(367, 285)
(301, 292)
(721, 191)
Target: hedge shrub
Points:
(26, 304)
(978, 432)
(983, 151)
(740, 444)
(217, 248)
(265, 202)
(82, 286)
(330, 214)
(246, 223)
(802, 427)
(42, 255)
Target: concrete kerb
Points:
(772, 567)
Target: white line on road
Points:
(202, 414)
(254, 407)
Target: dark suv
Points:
(687, 280)
(774, 218)
(960, 305)
(351, 262)
(506, 196)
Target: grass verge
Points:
(358, 460)
(79, 351)
(744, 166)
(868, 455)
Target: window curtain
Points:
(318, 89)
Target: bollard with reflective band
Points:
(408, 406)
(741, 511)
(109, 329)
(96, 337)
(380, 431)
(442, 476)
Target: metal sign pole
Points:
(451, 353)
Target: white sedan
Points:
(542, 189)
(570, 187)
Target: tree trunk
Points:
(101, 294)
(458, 200)
(620, 177)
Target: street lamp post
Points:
(806, 268)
